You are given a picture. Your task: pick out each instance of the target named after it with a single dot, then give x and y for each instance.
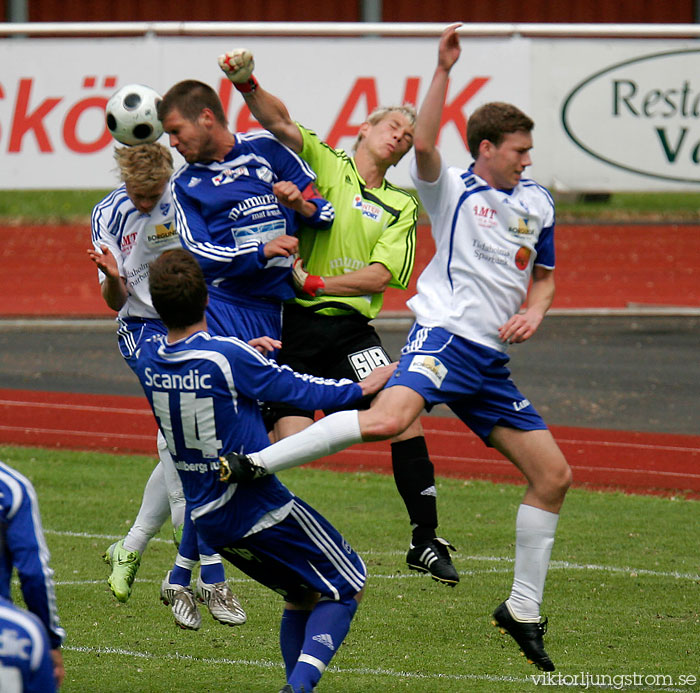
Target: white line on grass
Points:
(557, 565)
(566, 565)
(264, 664)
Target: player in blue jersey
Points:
(23, 547)
(131, 227)
(204, 391)
(489, 285)
(238, 203)
(25, 655)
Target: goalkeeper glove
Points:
(235, 467)
(310, 284)
(238, 65)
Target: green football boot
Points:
(124, 566)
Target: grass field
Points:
(623, 594)
(69, 206)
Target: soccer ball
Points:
(132, 115)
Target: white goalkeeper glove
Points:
(310, 284)
(238, 66)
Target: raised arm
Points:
(269, 111)
(430, 113)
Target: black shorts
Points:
(328, 346)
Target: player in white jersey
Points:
(131, 227)
(493, 232)
(135, 224)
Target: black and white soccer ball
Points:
(132, 115)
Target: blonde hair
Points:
(144, 166)
(408, 110)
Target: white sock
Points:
(154, 511)
(330, 434)
(173, 485)
(534, 539)
(185, 563)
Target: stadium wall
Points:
(603, 11)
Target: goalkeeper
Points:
(341, 276)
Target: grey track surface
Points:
(635, 373)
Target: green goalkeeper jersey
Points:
(371, 225)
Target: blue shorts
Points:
(472, 379)
(132, 331)
(243, 318)
(302, 552)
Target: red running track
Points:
(597, 267)
(628, 461)
(608, 266)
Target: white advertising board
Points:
(617, 115)
(53, 92)
(610, 114)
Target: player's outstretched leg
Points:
(528, 635)
(173, 485)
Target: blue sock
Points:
(212, 569)
(187, 555)
(326, 629)
(292, 630)
(181, 574)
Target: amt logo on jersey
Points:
(484, 216)
(128, 241)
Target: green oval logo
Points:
(641, 115)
